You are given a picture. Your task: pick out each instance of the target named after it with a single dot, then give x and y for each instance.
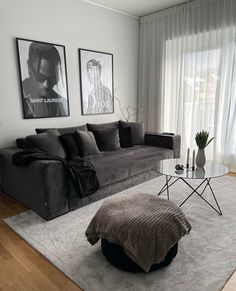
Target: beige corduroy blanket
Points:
(145, 225)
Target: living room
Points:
(165, 76)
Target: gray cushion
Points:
(70, 145)
(24, 143)
(125, 135)
(63, 130)
(86, 142)
(102, 126)
(137, 130)
(48, 142)
(107, 139)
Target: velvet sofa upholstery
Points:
(44, 187)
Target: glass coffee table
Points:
(210, 170)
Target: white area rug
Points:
(205, 261)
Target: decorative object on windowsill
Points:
(202, 142)
(187, 163)
(193, 165)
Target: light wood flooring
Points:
(22, 268)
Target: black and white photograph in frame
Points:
(43, 79)
(96, 82)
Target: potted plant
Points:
(202, 141)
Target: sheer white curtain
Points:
(188, 74)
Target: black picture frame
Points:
(96, 82)
(43, 79)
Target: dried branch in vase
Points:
(128, 112)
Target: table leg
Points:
(219, 210)
(167, 185)
(167, 188)
(207, 180)
(194, 190)
(203, 189)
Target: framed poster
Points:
(43, 79)
(96, 82)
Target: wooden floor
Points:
(22, 268)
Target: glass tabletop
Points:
(210, 170)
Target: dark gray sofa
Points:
(44, 186)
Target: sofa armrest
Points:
(42, 185)
(164, 141)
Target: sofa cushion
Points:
(137, 129)
(125, 134)
(48, 142)
(86, 142)
(69, 143)
(102, 126)
(107, 139)
(24, 143)
(63, 130)
(114, 166)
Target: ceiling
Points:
(137, 7)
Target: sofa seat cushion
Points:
(113, 166)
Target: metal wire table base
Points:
(205, 181)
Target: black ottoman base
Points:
(115, 255)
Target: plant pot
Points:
(201, 158)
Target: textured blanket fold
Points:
(145, 225)
(81, 171)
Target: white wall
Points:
(74, 24)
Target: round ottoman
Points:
(115, 255)
(138, 231)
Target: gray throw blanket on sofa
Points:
(145, 225)
(81, 171)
